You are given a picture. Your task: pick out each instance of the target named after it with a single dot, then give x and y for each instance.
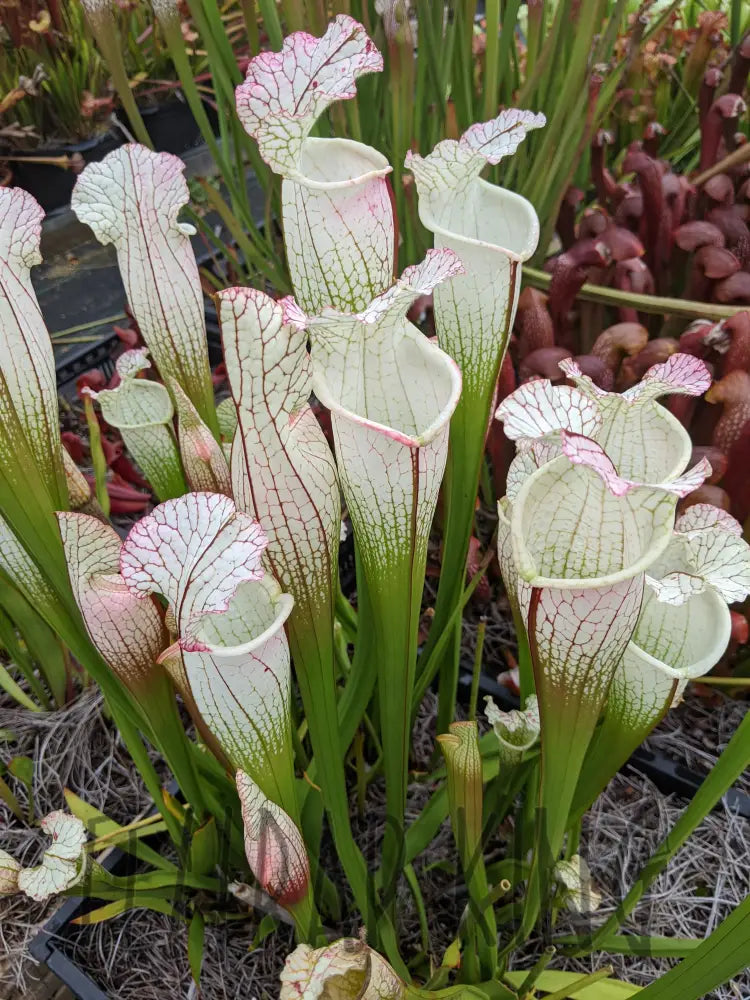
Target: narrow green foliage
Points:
(723, 954)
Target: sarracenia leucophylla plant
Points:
(226, 595)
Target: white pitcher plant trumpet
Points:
(578, 535)
(32, 479)
(391, 393)
(142, 411)
(204, 557)
(682, 631)
(492, 231)
(132, 199)
(29, 392)
(336, 206)
(284, 474)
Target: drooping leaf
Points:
(131, 902)
(99, 825)
(63, 863)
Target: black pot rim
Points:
(84, 146)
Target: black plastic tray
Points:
(46, 946)
(84, 357)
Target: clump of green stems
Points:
(70, 67)
(69, 72)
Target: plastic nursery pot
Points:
(172, 127)
(52, 186)
(49, 948)
(669, 776)
(79, 358)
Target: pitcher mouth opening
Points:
(205, 633)
(337, 164)
(703, 658)
(414, 436)
(484, 239)
(633, 564)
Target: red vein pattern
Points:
(27, 369)
(128, 631)
(133, 199)
(336, 206)
(283, 472)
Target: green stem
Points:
(160, 708)
(429, 662)
(491, 65)
(527, 986)
(250, 17)
(643, 303)
(143, 763)
(271, 23)
(395, 599)
(97, 455)
(481, 632)
(105, 32)
(176, 45)
(313, 655)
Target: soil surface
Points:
(78, 748)
(142, 955)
